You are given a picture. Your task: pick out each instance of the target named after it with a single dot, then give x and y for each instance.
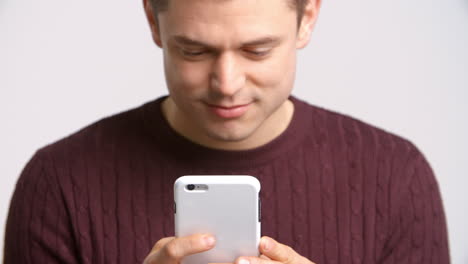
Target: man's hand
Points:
(171, 250)
(273, 252)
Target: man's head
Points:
(230, 66)
(296, 5)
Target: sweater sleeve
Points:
(38, 228)
(417, 232)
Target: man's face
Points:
(229, 66)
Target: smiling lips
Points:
(229, 112)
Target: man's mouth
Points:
(231, 111)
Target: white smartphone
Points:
(227, 207)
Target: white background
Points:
(401, 65)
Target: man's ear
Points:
(308, 21)
(153, 22)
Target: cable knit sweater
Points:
(333, 188)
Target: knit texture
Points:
(333, 188)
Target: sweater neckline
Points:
(193, 154)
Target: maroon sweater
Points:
(333, 188)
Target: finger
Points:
(161, 243)
(171, 250)
(181, 247)
(277, 251)
(264, 257)
(255, 260)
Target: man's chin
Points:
(229, 137)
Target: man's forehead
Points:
(231, 37)
(233, 5)
(169, 2)
(269, 40)
(227, 23)
(226, 12)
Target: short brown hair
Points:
(298, 5)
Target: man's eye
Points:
(259, 52)
(192, 53)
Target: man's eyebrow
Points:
(188, 41)
(269, 40)
(273, 41)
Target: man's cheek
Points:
(275, 70)
(269, 77)
(191, 77)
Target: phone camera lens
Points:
(190, 187)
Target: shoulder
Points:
(379, 161)
(120, 128)
(92, 152)
(341, 131)
(358, 150)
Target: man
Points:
(334, 190)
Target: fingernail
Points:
(243, 261)
(209, 241)
(265, 244)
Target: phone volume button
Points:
(259, 209)
(175, 208)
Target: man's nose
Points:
(227, 77)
